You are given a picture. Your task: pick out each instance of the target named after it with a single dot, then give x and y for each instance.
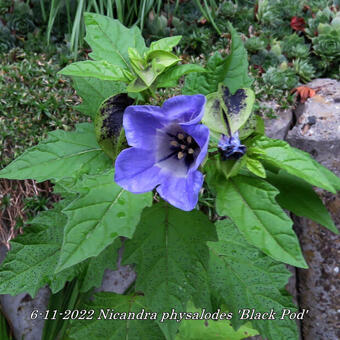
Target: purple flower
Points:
(168, 145)
(231, 147)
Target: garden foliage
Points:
(288, 52)
(184, 260)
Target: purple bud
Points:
(231, 147)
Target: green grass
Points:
(33, 101)
(4, 329)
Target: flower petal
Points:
(201, 135)
(185, 109)
(181, 192)
(140, 123)
(136, 170)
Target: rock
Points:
(18, 310)
(118, 281)
(318, 124)
(317, 131)
(3, 252)
(278, 127)
(319, 285)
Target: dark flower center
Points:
(183, 146)
(177, 150)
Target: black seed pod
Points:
(109, 124)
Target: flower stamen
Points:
(174, 143)
(179, 146)
(180, 155)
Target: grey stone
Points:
(18, 310)
(118, 281)
(317, 131)
(3, 252)
(277, 127)
(319, 284)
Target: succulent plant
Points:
(281, 78)
(266, 59)
(254, 44)
(335, 72)
(276, 47)
(304, 69)
(327, 44)
(157, 25)
(278, 13)
(4, 5)
(7, 41)
(300, 51)
(290, 42)
(322, 17)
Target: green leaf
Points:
(245, 278)
(137, 62)
(102, 212)
(171, 255)
(236, 108)
(89, 273)
(63, 154)
(30, 263)
(251, 204)
(231, 167)
(99, 69)
(110, 40)
(254, 124)
(205, 83)
(231, 71)
(170, 77)
(299, 197)
(213, 117)
(211, 329)
(157, 63)
(115, 329)
(107, 259)
(255, 167)
(138, 85)
(235, 68)
(296, 162)
(147, 76)
(162, 59)
(94, 91)
(165, 44)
